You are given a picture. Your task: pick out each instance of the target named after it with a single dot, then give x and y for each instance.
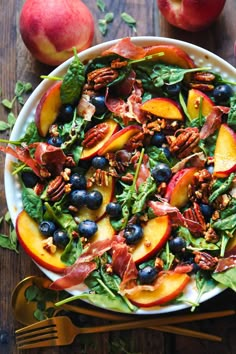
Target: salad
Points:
(128, 176)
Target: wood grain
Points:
(16, 63)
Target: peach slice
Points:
(48, 108)
(107, 192)
(118, 140)
(31, 240)
(167, 287)
(105, 230)
(194, 103)
(172, 55)
(90, 152)
(164, 108)
(155, 234)
(177, 189)
(225, 152)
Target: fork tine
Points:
(37, 338)
(36, 334)
(35, 326)
(46, 343)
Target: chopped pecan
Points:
(205, 260)
(202, 87)
(203, 76)
(159, 264)
(101, 77)
(211, 236)
(38, 188)
(185, 142)
(200, 189)
(154, 126)
(117, 63)
(195, 214)
(66, 174)
(56, 188)
(49, 246)
(100, 178)
(94, 135)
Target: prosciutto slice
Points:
(213, 121)
(126, 49)
(84, 265)
(164, 208)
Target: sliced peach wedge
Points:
(225, 152)
(110, 129)
(31, 240)
(105, 230)
(198, 102)
(155, 234)
(118, 140)
(163, 107)
(48, 109)
(166, 288)
(177, 188)
(172, 55)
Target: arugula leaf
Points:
(221, 186)
(232, 113)
(72, 251)
(73, 82)
(147, 188)
(204, 283)
(196, 243)
(66, 221)
(156, 155)
(227, 278)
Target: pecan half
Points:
(94, 135)
(184, 142)
(100, 178)
(56, 188)
(101, 77)
(196, 215)
(205, 260)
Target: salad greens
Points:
(142, 169)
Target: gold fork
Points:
(60, 330)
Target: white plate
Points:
(200, 56)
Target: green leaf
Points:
(4, 126)
(102, 26)
(11, 119)
(73, 82)
(227, 278)
(199, 243)
(6, 103)
(32, 204)
(101, 5)
(6, 242)
(32, 293)
(109, 17)
(129, 20)
(72, 252)
(204, 284)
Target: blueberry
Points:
(114, 209)
(66, 113)
(177, 244)
(47, 227)
(99, 103)
(94, 200)
(29, 179)
(158, 139)
(99, 162)
(133, 233)
(161, 173)
(60, 238)
(173, 89)
(87, 228)
(166, 152)
(78, 181)
(78, 197)
(222, 93)
(55, 141)
(147, 275)
(207, 211)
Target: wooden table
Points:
(17, 64)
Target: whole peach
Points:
(50, 29)
(191, 15)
